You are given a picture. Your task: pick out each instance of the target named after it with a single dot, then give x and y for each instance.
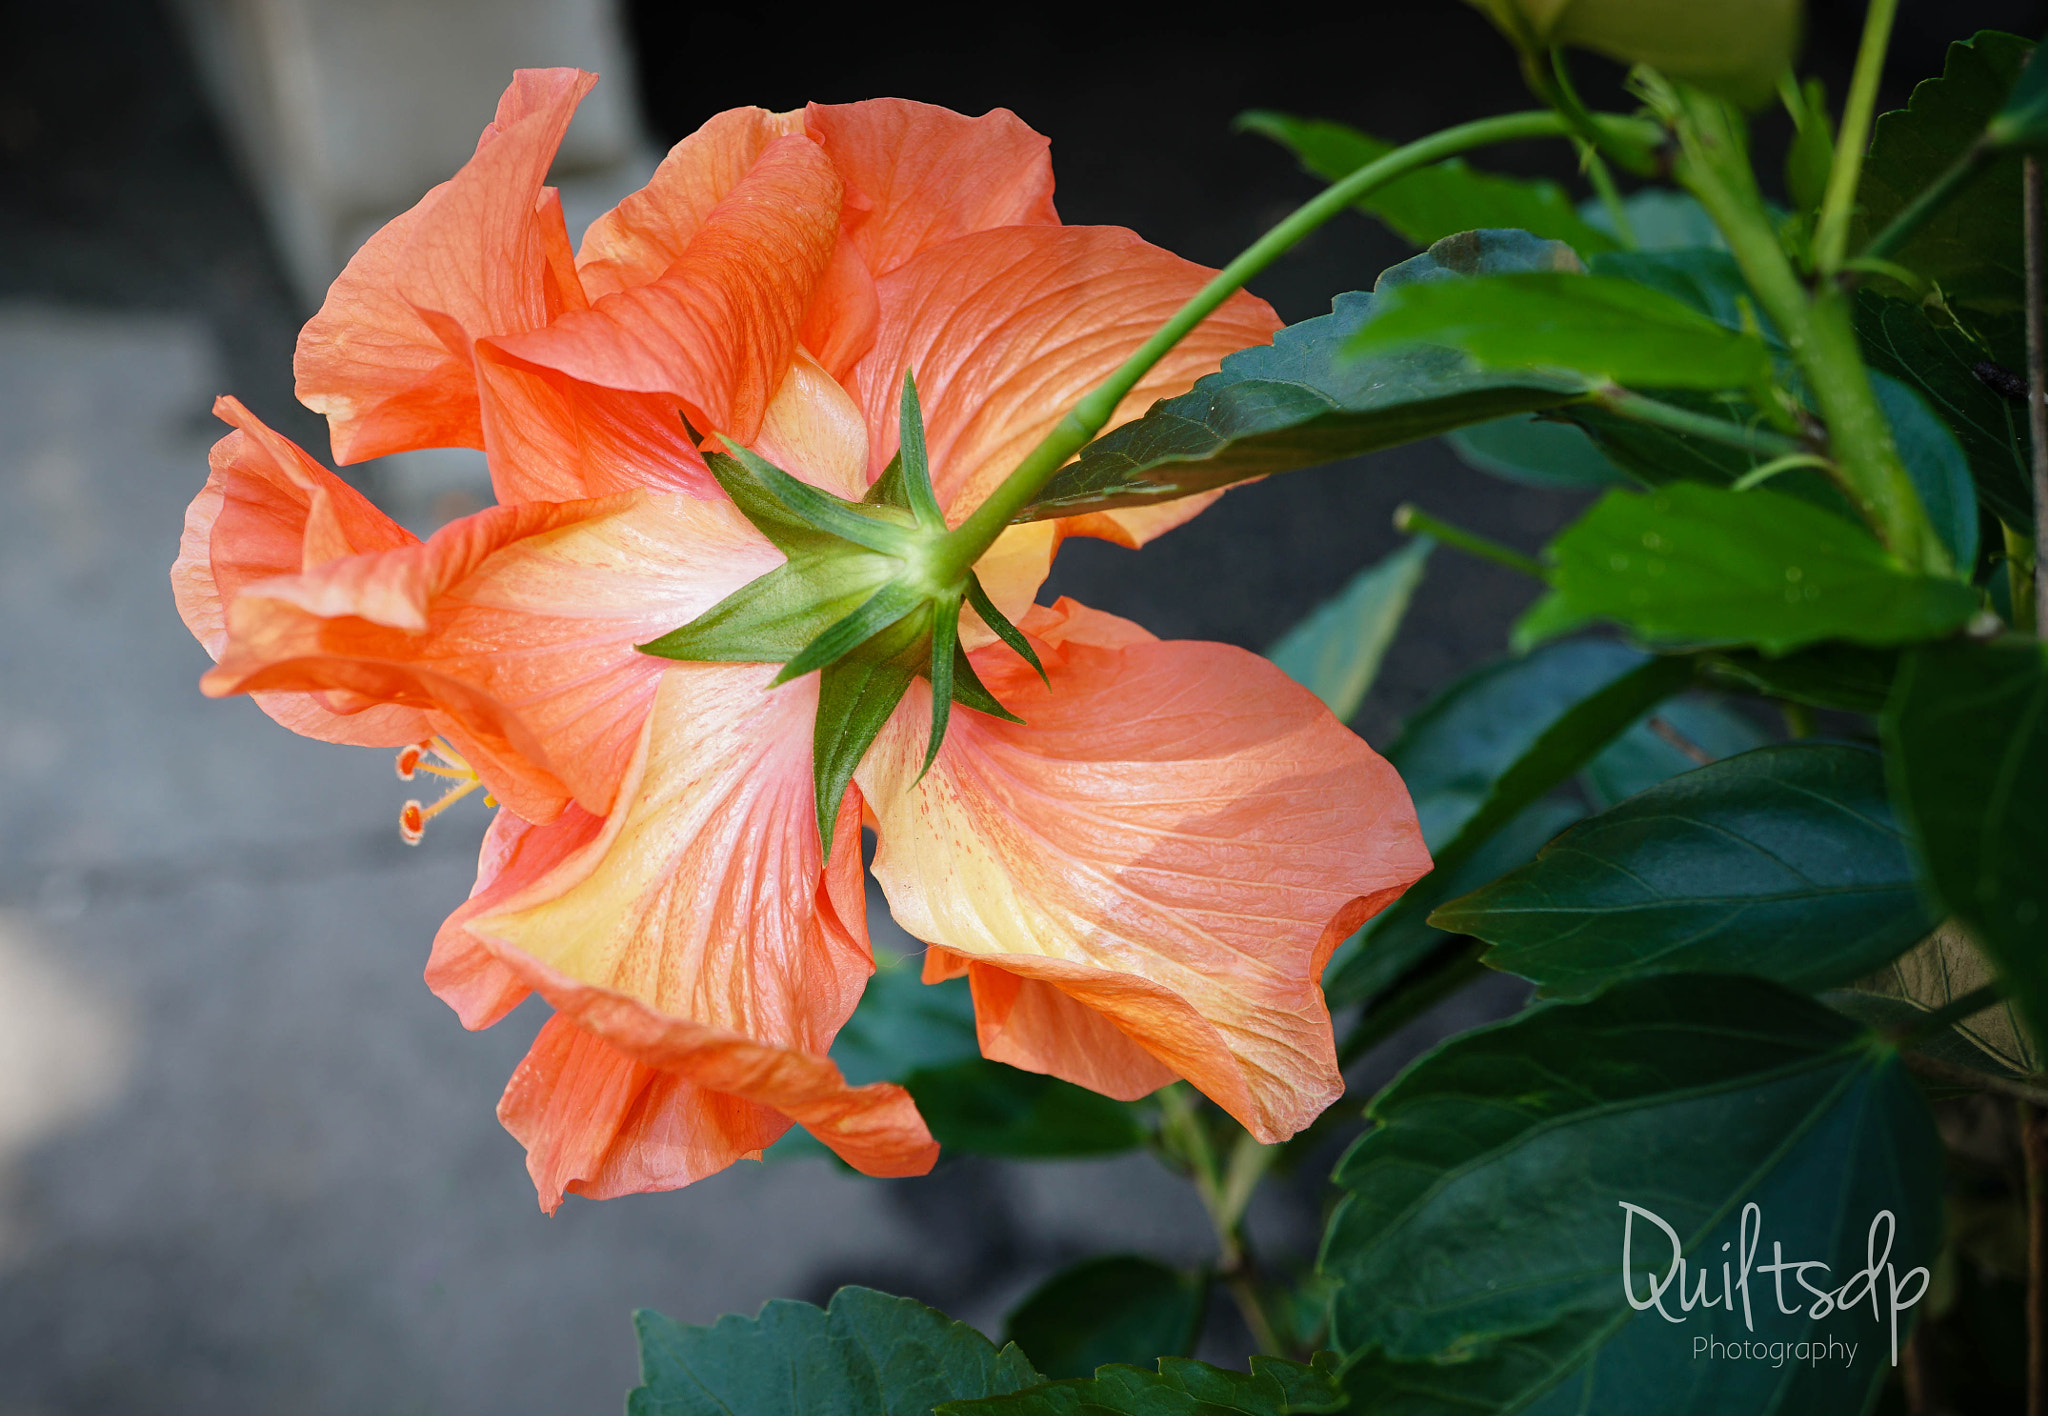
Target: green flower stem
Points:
(1956, 1010)
(2037, 382)
(965, 544)
(1411, 520)
(1224, 1193)
(1635, 406)
(1900, 228)
(1831, 233)
(1714, 166)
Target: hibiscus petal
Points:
(387, 357)
(640, 238)
(1007, 329)
(597, 1123)
(718, 328)
(1176, 839)
(462, 971)
(929, 174)
(553, 438)
(517, 626)
(267, 510)
(702, 935)
(813, 430)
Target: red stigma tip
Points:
(409, 760)
(412, 823)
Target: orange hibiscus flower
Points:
(1142, 881)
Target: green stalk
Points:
(1634, 406)
(1831, 234)
(964, 545)
(1714, 166)
(1412, 520)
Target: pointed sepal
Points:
(917, 471)
(818, 510)
(855, 698)
(945, 644)
(1000, 625)
(771, 619)
(886, 607)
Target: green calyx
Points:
(869, 598)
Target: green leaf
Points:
(1299, 401)
(855, 697)
(1935, 462)
(1663, 744)
(2022, 122)
(1784, 862)
(1966, 735)
(990, 1108)
(1335, 651)
(1118, 1308)
(1939, 363)
(1972, 246)
(1694, 565)
(1477, 1245)
(890, 606)
(1439, 201)
(1812, 155)
(1845, 676)
(770, 515)
(1663, 220)
(865, 1354)
(1536, 452)
(1603, 327)
(1478, 758)
(922, 1036)
(1708, 280)
(1180, 1387)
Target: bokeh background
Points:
(247, 1162)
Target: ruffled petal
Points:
(462, 971)
(515, 626)
(1175, 839)
(718, 328)
(1007, 329)
(387, 358)
(639, 239)
(267, 510)
(929, 174)
(552, 438)
(598, 1123)
(701, 934)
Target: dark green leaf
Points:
(1948, 965)
(1967, 737)
(2022, 121)
(1972, 246)
(1335, 651)
(1694, 565)
(1884, 1012)
(1845, 676)
(1537, 452)
(1939, 362)
(1299, 401)
(1439, 201)
(1935, 462)
(1180, 1387)
(1603, 327)
(1683, 733)
(1479, 757)
(993, 1109)
(1393, 945)
(1477, 1246)
(864, 1355)
(855, 697)
(903, 1025)
(1118, 1308)
(1783, 862)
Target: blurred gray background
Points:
(247, 1163)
